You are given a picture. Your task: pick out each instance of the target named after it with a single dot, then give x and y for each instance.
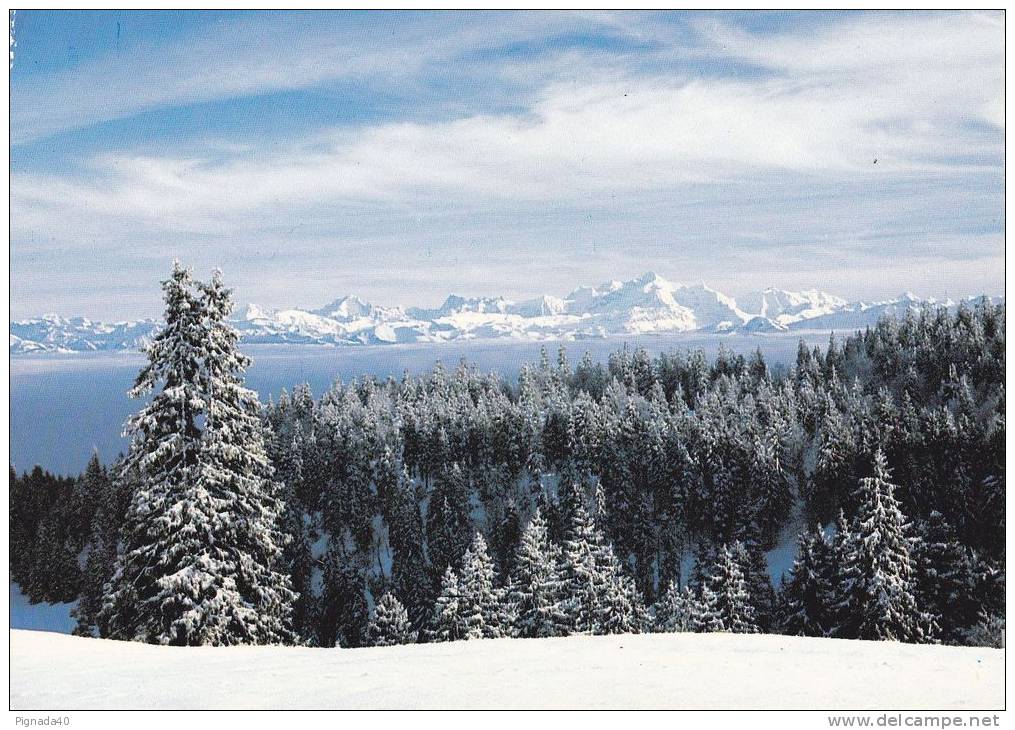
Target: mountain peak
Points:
(647, 304)
(651, 278)
(349, 306)
(253, 312)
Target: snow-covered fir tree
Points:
(236, 474)
(876, 585)
(676, 610)
(448, 622)
(165, 447)
(201, 558)
(584, 585)
(726, 601)
(481, 604)
(987, 631)
(536, 589)
(751, 559)
(622, 609)
(601, 598)
(390, 624)
(705, 618)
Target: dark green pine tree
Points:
(100, 552)
(754, 566)
(945, 578)
(344, 617)
(55, 575)
(410, 574)
(989, 630)
(298, 556)
(705, 555)
(807, 594)
(90, 490)
(448, 520)
(834, 464)
(506, 537)
(296, 522)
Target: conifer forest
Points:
(641, 494)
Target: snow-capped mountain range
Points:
(647, 305)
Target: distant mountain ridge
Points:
(648, 304)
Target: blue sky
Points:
(401, 156)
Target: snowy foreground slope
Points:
(697, 671)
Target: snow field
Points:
(679, 671)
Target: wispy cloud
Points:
(653, 136)
(260, 55)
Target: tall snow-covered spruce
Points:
(536, 589)
(601, 598)
(877, 581)
(482, 606)
(200, 560)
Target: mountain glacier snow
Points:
(648, 304)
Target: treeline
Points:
(687, 471)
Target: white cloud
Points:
(917, 92)
(939, 66)
(883, 41)
(641, 134)
(264, 54)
